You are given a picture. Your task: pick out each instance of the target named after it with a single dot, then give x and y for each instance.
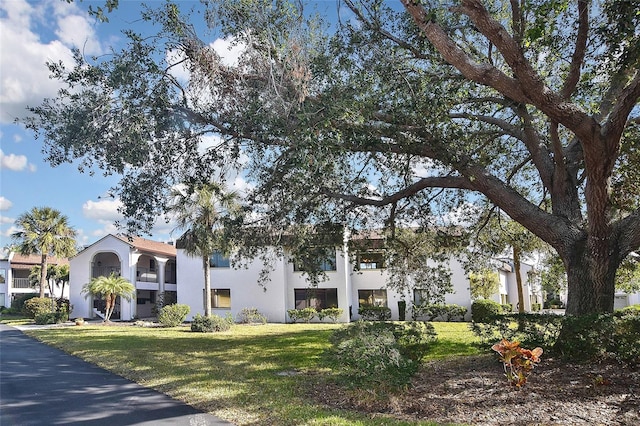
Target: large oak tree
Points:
(397, 114)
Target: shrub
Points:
(332, 313)
(507, 308)
(600, 336)
(210, 324)
(18, 302)
(375, 313)
(431, 312)
(528, 329)
(251, 316)
(535, 307)
(306, 314)
(37, 305)
(379, 355)
(49, 318)
(517, 362)
(173, 315)
(484, 310)
(64, 307)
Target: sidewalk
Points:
(42, 385)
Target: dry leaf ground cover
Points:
(273, 375)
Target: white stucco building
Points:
(162, 269)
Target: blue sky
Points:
(32, 33)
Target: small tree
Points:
(109, 289)
(483, 283)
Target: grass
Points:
(258, 375)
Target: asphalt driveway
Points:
(42, 385)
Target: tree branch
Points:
(573, 77)
(453, 182)
(629, 231)
(627, 100)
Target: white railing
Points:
(21, 283)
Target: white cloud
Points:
(10, 231)
(13, 162)
(5, 204)
(24, 80)
(103, 210)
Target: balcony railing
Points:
(104, 271)
(21, 283)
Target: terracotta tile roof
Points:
(149, 246)
(20, 261)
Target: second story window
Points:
(322, 259)
(371, 260)
(219, 260)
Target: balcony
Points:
(21, 283)
(104, 271)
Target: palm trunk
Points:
(207, 286)
(43, 273)
(108, 308)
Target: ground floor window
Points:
(2, 299)
(221, 298)
(319, 298)
(372, 297)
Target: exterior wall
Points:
(81, 269)
(243, 284)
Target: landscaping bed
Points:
(473, 390)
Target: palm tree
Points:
(202, 210)
(109, 289)
(44, 231)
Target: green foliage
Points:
(332, 313)
(379, 355)
(210, 324)
(164, 298)
(109, 289)
(38, 305)
(602, 336)
(50, 318)
(484, 283)
(375, 313)
(18, 302)
(485, 310)
(251, 316)
(529, 329)
(44, 231)
(437, 312)
(173, 315)
(305, 314)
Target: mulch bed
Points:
(473, 390)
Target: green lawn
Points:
(258, 375)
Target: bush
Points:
(173, 315)
(484, 310)
(18, 302)
(375, 313)
(332, 313)
(507, 308)
(49, 318)
(64, 307)
(38, 305)
(379, 355)
(251, 316)
(210, 324)
(528, 329)
(601, 336)
(535, 307)
(431, 312)
(306, 314)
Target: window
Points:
(371, 260)
(372, 297)
(319, 298)
(325, 261)
(218, 260)
(3, 277)
(152, 264)
(221, 298)
(420, 297)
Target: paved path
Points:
(41, 385)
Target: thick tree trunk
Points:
(591, 278)
(43, 273)
(207, 286)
